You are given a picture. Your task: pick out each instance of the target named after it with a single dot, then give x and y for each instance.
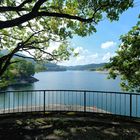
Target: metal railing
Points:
(115, 103)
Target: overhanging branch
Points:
(22, 56)
(15, 8)
(32, 15)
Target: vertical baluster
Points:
(106, 102)
(65, 101)
(75, 104)
(61, 107)
(84, 101)
(13, 101)
(8, 102)
(68, 101)
(26, 101)
(125, 112)
(40, 105)
(136, 105)
(130, 105)
(17, 93)
(93, 101)
(120, 103)
(115, 104)
(22, 101)
(102, 102)
(35, 100)
(97, 102)
(48, 99)
(111, 103)
(31, 101)
(44, 101)
(52, 99)
(4, 103)
(81, 101)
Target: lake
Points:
(70, 80)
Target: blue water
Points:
(73, 80)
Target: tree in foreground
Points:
(32, 26)
(126, 63)
(18, 72)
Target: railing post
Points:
(44, 102)
(84, 101)
(4, 102)
(130, 105)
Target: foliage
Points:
(39, 67)
(89, 11)
(25, 68)
(126, 63)
(97, 69)
(17, 71)
(32, 26)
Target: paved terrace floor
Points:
(52, 107)
(68, 126)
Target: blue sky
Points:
(100, 46)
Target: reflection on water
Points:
(21, 87)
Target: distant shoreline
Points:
(105, 72)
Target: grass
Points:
(67, 126)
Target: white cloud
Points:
(84, 57)
(81, 50)
(108, 44)
(107, 57)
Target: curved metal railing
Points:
(115, 103)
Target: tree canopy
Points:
(126, 63)
(18, 71)
(32, 26)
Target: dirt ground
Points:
(68, 126)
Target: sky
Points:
(100, 46)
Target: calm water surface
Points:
(72, 80)
(75, 80)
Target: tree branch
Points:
(67, 16)
(37, 5)
(13, 62)
(24, 2)
(11, 8)
(22, 56)
(15, 8)
(27, 40)
(32, 15)
(5, 60)
(42, 50)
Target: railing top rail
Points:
(92, 91)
